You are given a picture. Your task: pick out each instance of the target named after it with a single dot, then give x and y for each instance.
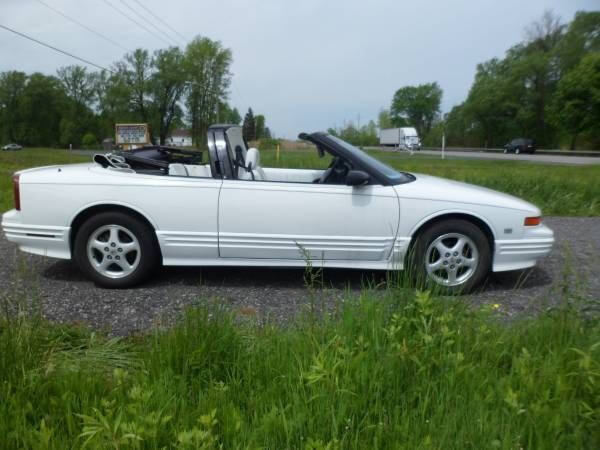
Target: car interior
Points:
(228, 155)
(231, 157)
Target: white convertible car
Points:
(122, 216)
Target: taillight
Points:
(532, 221)
(16, 191)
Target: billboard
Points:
(131, 133)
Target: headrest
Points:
(253, 157)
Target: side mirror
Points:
(357, 178)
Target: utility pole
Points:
(443, 144)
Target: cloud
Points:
(305, 65)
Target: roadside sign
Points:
(131, 134)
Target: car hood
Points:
(428, 187)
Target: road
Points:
(279, 295)
(539, 158)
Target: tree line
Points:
(169, 88)
(547, 88)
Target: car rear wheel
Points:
(517, 150)
(116, 250)
(453, 256)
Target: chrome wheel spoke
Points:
(451, 276)
(129, 247)
(436, 265)
(114, 235)
(98, 245)
(125, 266)
(468, 262)
(441, 247)
(459, 246)
(103, 265)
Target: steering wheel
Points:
(337, 170)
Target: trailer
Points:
(405, 138)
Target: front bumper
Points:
(523, 253)
(43, 240)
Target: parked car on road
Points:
(122, 216)
(520, 145)
(12, 147)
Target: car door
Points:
(287, 220)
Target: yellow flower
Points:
(496, 305)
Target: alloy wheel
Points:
(113, 251)
(451, 259)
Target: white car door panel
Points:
(277, 220)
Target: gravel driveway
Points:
(278, 294)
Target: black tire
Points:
(417, 255)
(517, 150)
(147, 260)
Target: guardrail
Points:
(501, 150)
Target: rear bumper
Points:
(37, 239)
(523, 253)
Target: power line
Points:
(135, 21)
(161, 32)
(106, 38)
(162, 21)
(55, 49)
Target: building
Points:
(180, 138)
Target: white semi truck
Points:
(405, 138)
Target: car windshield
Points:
(394, 176)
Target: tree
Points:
(42, 105)
(166, 87)
(582, 37)
(384, 119)
(536, 61)
(79, 85)
(136, 73)
(12, 85)
(207, 66)
(577, 104)
(235, 117)
(112, 95)
(142, 87)
(249, 126)
(417, 105)
(361, 136)
(491, 102)
(259, 123)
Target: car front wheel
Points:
(453, 256)
(116, 250)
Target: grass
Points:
(557, 189)
(406, 371)
(387, 369)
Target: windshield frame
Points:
(383, 173)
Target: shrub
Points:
(89, 141)
(268, 143)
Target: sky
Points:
(307, 65)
